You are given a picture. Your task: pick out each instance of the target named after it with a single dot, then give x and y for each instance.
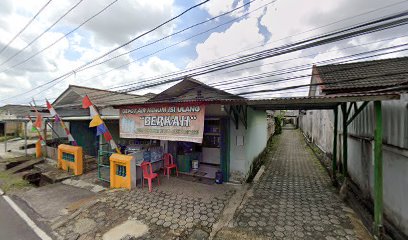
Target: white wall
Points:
(255, 139)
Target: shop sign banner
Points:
(173, 122)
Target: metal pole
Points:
(336, 121)
(5, 137)
(45, 138)
(25, 138)
(345, 138)
(378, 170)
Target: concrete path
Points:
(12, 227)
(294, 199)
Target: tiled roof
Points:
(364, 76)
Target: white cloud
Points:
(292, 20)
(125, 19)
(215, 8)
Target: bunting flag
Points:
(107, 136)
(40, 138)
(33, 128)
(101, 129)
(52, 111)
(57, 119)
(97, 122)
(38, 121)
(92, 111)
(86, 102)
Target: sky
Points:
(260, 25)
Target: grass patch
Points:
(262, 158)
(9, 182)
(3, 138)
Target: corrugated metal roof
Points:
(285, 103)
(364, 76)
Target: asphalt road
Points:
(12, 226)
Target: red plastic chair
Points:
(149, 175)
(169, 164)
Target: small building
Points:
(12, 118)
(194, 121)
(387, 75)
(69, 107)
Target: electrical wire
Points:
(305, 44)
(114, 49)
(59, 39)
(25, 27)
(40, 35)
(258, 46)
(98, 98)
(155, 84)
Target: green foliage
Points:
(279, 116)
(262, 158)
(9, 182)
(3, 138)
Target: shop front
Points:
(192, 132)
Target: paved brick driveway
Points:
(294, 199)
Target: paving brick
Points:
(294, 198)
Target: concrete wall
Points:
(318, 126)
(255, 138)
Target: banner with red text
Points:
(173, 122)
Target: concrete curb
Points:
(1, 192)
(259, 174)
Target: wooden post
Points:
(25, 138)
(334, 161)
(345, 138)
(378, 171)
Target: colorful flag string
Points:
(36, 126)
(101, 128)
(57, 118)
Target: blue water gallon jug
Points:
(219, 177)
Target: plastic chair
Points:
(169, 164)
(149, 175)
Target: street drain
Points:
(127, 230)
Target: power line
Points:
(264, 44)
(328, 38)
(187, 28)
(327, 83)
(305, 67)
(177, 79)
(99, 97)
(114, 49)
(25, 27)
(59, 39)
(45, 31)
(316, 41)
(64, 77)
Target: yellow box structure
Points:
(70, 158)
(38, 149)
(121, 171)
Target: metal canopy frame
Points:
(334, 102)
